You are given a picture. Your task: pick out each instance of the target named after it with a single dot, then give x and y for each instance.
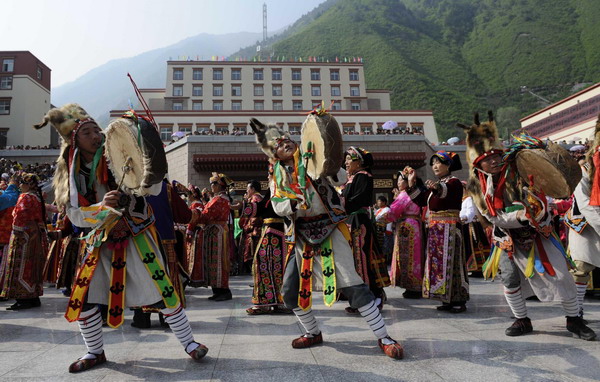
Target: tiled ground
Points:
(39, 344)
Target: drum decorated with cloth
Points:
(135, 154)
(321, 135)
(551, 167)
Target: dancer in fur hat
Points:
(320, 256)
(584, 220)
(445, 277)
(115, 260)
(525, 248)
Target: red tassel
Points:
(595, 196)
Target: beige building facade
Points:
(220, 97)
(24, 99)
(572, 119)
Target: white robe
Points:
(585, 246)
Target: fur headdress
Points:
(482, 141)
(268, 136)
(481, 137)
(66, 120)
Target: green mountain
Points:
(458, 56)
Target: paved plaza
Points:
(39, 344)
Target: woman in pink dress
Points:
(407, 257)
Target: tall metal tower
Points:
(264, 23)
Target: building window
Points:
(316, 103)
(39, 73)
(259, 91)
(8, 65)
(276, 74)
(367, 130)
(185, 129)
(337, 105)
(197, 91)
(177, 74)
(166, 133)
(315, 75)
(236, 74)
(217, 105)
(6, 82)
(335, 91)
(353, 75)
(218, 90)
(177, 105)
(218, 74)
(277, 105)
(197, 74)
(277, 90)
(296, 74)
(197, 105)
(297, 90)
(4, 106)
(295, 129)
(236, 105)
(315, 90)
(348, 129)
(355, 106)
(258, 75)
(354, 91)
(177, 90)
(334, 75)
(236, 90)
(259, 105)
(297, 105)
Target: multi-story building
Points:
(572, 119)
(24, 99)
(220, 97)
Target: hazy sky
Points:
(74, 36)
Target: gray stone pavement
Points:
(39, 344)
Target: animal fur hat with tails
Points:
(66, 119)
(483, 141)
(268, 136)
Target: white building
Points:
(220, 97)
(572, 119)
(24, 99)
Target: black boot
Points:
(519, 327)
(141, 320)
(224, 295)
(576, 326)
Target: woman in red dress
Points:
(24, 266)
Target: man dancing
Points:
(320, 255)
(121, 254)
(525, 247)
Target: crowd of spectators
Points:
(27, 147)
(10, 167)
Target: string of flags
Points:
(337, 59)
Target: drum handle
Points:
(126, 168)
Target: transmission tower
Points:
(264, 23)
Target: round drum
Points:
(325, 137)
(135, 154)
(554, 171)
